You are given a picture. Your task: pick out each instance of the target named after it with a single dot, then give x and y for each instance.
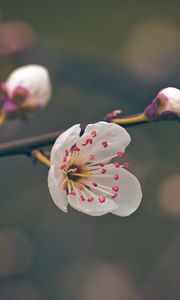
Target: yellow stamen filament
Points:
(42, 158)
(81, 174)
(69, 186)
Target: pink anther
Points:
(64, 166)
(90, 199)
(115, 188)
(120, 154)
(116, 176)
(82, 198)
(72, 193)
(75, 148)
(66, 152)
(126, 165)
(64, 186)
(87, 141)
(102, 199)
(91, 156)
(104, 144)
(93, 134)
(117, 164)
(114, 196)
(101, 165)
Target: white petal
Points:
(115, 135)
(65, 141)
(173, 96)
(57, 193)
(35, 79)
(129, 194)
(94, 208)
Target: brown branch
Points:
(25, 146)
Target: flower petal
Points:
(57, 193)
(110, 138)
(128, 195)
(92, 208)
(65, 141)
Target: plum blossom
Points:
(27, 88)
(166, 104)
(84, 174)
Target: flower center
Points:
(74, 173)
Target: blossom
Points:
(83, 174)
(27, 88)
(166, 104)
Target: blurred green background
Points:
(102, 55)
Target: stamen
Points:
(82, 198)
(104, 144)
(80, 187)
(73, 170)
(91, 156)
(116, 176)
(126, 165)
(90, 199)
(94, 184)
(115, 188)
(93, 134)
(64, 186)
(72, 193)
(64, 159)
(114, 196)
(120, 154)
(75, 148)
(64, 166)
(101, 165)
(117, 164)
(66, 152)
(69, 186)
(81, 174)
(103, 171)
(101, 199)
(87, 141)
(104, 189)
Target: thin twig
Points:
(25, 146)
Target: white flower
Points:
(171, 99)
(83, 175)
(32, 82)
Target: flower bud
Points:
(28, 88)
(166, 105)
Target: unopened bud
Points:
(166, 105)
